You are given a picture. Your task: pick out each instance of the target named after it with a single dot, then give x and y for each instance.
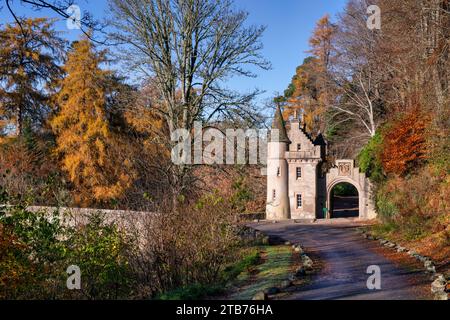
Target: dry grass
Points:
(276, 265)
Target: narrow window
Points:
(299, 201)
(274, 194)
(278, 172)
(299, 173)
(299, 147)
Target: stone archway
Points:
(330, 201)
(345, 172)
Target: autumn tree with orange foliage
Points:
(308, 95)
(321, 42)
(89, 150)
(302, 97)
(29, 56)
(405, 143)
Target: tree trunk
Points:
(19, 128)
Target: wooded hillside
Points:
(383, 97)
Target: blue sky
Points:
(289, 26)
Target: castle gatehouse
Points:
(297, 187)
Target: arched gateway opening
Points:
(344, 201)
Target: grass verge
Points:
(250, 257)
(276, 267)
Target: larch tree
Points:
(310, 92)
(29, 57)
(85, 143)
(321, 42)
(322, 47)
(302, 100)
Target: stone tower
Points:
(304, 158)
(278, 171)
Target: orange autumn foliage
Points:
(305, 99)
(321, 42)
(310, 94)
(13, 273)
(91, 154)
(405, 143)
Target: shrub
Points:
(418, 205)
(37, 247)
(100, 250)
(191, 249)
(404, 143)
(27, 170)
(241, 196)
(416, 227)
(386, 208)
(439, 141)
(248, 259)
(369, 158)
(32, 254)
(188, 247)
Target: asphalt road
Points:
(345, 256)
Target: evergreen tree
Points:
(29, 57)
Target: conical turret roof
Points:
(278, 123)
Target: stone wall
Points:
(79, 216)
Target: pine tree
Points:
(29, 57)
(89, 149)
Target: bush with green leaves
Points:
(32, 258)
(100, 250)
(36, 248)
(189, 248)
(241, 196)
(386, 209)
(369, 158)
(345, 190)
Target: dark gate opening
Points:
(344, 201)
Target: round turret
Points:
(277, 171)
